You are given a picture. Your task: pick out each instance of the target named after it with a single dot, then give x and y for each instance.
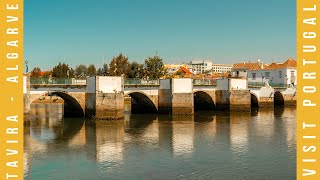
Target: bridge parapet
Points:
(105, 98)
(176, 96)
(274, 85)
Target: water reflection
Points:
(209, 144)
(110, 143)
(239, 131)
(183, 136)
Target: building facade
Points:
(274, 73)
(221, 68)
(173, 68)
(201, 66)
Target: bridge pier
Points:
(290, 100)
(26, 98)
(266, 97)
(233, 94)
(240, 100)
(104, 98)
(176, 96)
(222, 100)
(27, 104)
(289, 97)
(165, 96)
(182, 97)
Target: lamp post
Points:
(26, 62)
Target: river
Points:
(208, 145)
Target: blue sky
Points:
(93, 31)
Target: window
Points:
(293, 78)
(280, 74)
(253, 76)
(267, 75)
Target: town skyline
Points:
(178, 62)
(224, 32)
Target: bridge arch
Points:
(203, 101)
(278, 99)
(73, 107)
(254, 100)
(141, 103)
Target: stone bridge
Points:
(103, 97)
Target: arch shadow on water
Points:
(138, 123)
(203, 101)
(278, 111)
(54, 128)
(141, 120)
(204, 116)
(141, 104)
(70, 127)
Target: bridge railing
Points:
(47, 80)
(204, 81)
(274, 85)
(53, 80)
(135, 81)
(127, 81)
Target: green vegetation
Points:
(36, 72)
(61, 70)
(152, 68)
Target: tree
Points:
(135, 70)
(36, 72)
(154, 67)
(71, 73)
(104, 71)
(119, 65)
(81, 71)
(100, 72)
(60, 71)
(91, 71)
(47, 74)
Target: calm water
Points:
(221, 145)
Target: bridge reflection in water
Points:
(208, 144)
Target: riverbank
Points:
(49, 99)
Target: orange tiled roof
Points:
(184, 70)
(42, 73)
(244, 65)
(259, 66)
(288, 63)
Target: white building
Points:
(173, 68)
(241, 69)
(274, 73)
(201, 66)
(221, 68)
